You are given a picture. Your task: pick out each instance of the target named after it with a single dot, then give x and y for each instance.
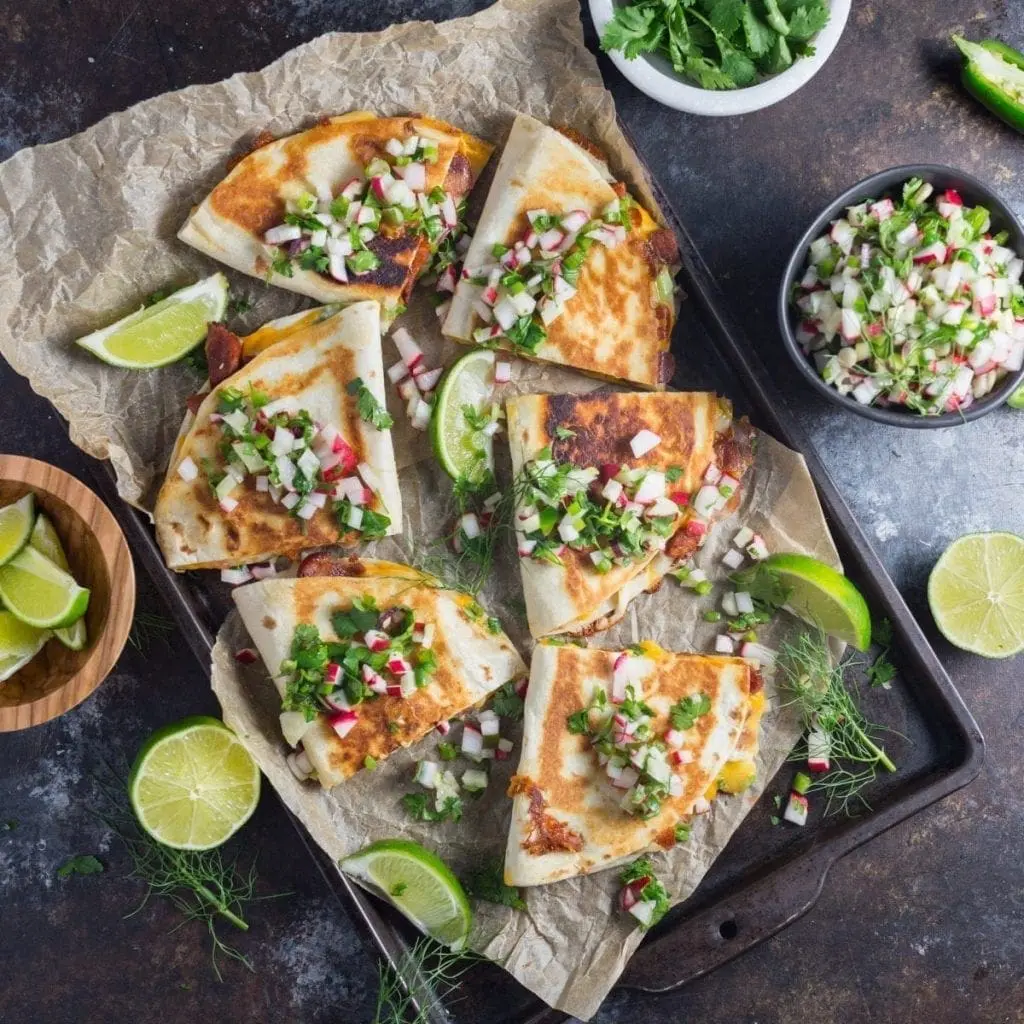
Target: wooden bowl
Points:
(58, 678)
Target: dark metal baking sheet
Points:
(767, 877)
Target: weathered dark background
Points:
(926, 923)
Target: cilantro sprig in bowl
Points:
(719, 57)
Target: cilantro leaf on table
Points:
(418, 806)
(83, 864)
(882, 671)
(487, 883)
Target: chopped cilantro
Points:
(682, 831)
(447, 751)
(487, 883)
(674, 474)
(687, 710)
(507, 703)
(418, 806)
(370, 409)
(642, 871)
(84, 864)
(564, 433)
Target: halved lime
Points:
(457, 445)
(45, 540)
(193, 784)
(159, 334)
(824, 598)
(16, 526)
(41, 593)
(1016, 400)
(19, 644)
(976, 593)
(419, 884)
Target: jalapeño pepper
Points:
(994, 75)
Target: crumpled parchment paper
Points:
(88, 227)
(88, 224)
(572, 943)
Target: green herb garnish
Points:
(487, 883)
(687, 710)
(419, 807)
(83, 864)
(370, 409)
(641, 870)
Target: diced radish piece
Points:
(426, 773)
(263, 572)
(414, 175)
(332, 673)
(443, 727)
(187, 469)
(236, 576)
(470, 526)
(675, 738)
(796, 809)
(696, 528)
(883, 209)
(724, 644)
(574, 220)
(909, 235)
(397, 665)
(850, 324)
(651, 488)
(421, 416)
(759, 653)
(620, 677)
(712, 474)
(472, 741)
(843, 235)
(612, 490)
(524, 546)
(410, 352)
(343, 722)
(408, 390)
(818, 750)
(628, 779)
(354, 518)
(707, 500)
(744, 602)
(502, 372)
(567, 530)
(449, 214)
(398, 372)
(743, 537)
(282, 233)
(934, 253)
(428, 379)
(446, 279)
(729, 603)
(291, 500)
(644, 911)
(643, 442)
(733, 558)
(757, 549)
(377, 640)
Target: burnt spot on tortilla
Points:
(269, 623)
(262, 138)
(397, 255)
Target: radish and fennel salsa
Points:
(913, 303)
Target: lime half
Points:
(457, 445)
(824, 598)
(976, 593)
(161, 333)
(41, 593)
(19, 644)
(45, 540)
(193, 784)
(16, 526)
(419, 883)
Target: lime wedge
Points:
(45, 540)
(193, 784)
(41, 593)
(161, 333)
(16, 526)
(1016, 400)
(470, 381)
(419, 884)
(19, 644)
(976, 593)
(824, 598)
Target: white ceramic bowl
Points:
(654, 75)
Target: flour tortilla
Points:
(559, 779)
(615, 326)
(575, 598)
(230, 223)
(472, 662)
(309, 369)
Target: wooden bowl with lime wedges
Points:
(67, 591)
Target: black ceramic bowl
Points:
(889, 183)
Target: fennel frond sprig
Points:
(200, 884)
(817, 688)
(439, 970)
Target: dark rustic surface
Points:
(926, 923)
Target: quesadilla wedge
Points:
(287, 454)
(370, 662)
(566, 267)
(356, 207)
(618, 748)
(612, 491)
